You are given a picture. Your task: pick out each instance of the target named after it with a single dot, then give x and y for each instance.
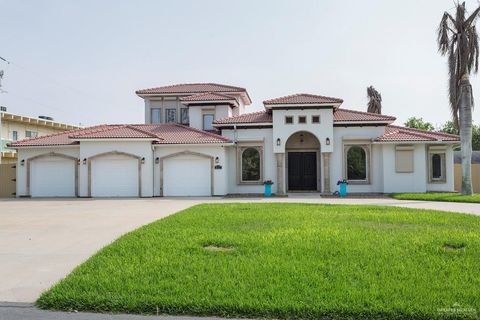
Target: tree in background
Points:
(449, 127)
(374, 104)
(419, 123)
(458, 39)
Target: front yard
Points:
(438, 196)
(286, 261)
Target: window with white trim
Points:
(250, 160)
(404, 159)
(184, 116)
(356, 163)
(437, 167)
(31, 134)
(208, 121)
(156, 115)
(170, 115)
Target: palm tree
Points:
(458, 38)
(374, 100)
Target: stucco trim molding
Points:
(187, 153)
(47, 155)
(115, 153)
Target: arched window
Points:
(436, 166)
(356, 163)
(251, 165)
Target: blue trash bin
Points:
(342, 188)
(268, 190)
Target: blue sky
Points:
(81, 61)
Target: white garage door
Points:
(186, 176)
(52, 177)
(115, 176)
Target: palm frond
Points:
(443, 38)
(374, 100)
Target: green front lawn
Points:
(286, 261)
(438, 196)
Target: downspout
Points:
(153, 170)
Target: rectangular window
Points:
(302, 119)
(31, 134)
(404, 159)
(288, 119)
(156, 115)
(208, 121)
(315, 119)
(14, 135)
(437, 167)
(170, 115)
(184, 116)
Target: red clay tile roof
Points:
(114, 132)
(346, 115)
(208, 96)
(191, 88)
(254, 117)
(170, 133)
(302, 98)
(175, 133)
(398, 134)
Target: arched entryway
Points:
(302, 153)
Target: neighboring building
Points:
(200, 140)
(475, 170)
(15, 127)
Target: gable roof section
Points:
(175, 133)
(169, 133)
(246, 118)
(302, 98)
(115, 132)
(185, 88)
(340, 116)
(399, 134)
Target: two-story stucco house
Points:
(200, 139)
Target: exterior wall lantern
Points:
(327, 141)
(84, 160)
(22, 163)
(279, 142)
(157, 160)
(217, 160)
(143, 160)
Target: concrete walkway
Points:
(41, 241)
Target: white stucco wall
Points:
(269, 161)
(138, 148)
(321, 130)
(362, 135)
(219, 175)
(405, 181)
(26, 153)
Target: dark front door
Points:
(302, 171)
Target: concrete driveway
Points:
(41, 241)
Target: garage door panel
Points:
(114, 177)
(187, 177)
(52, 177)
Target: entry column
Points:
(280, 173)
(326, 172)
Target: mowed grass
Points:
(286, 261)
(438, 196)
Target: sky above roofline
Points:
(81, 62)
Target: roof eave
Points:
(248, 124)
(232, 102)
(387, 122)
(334, 105)
(415, 142)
